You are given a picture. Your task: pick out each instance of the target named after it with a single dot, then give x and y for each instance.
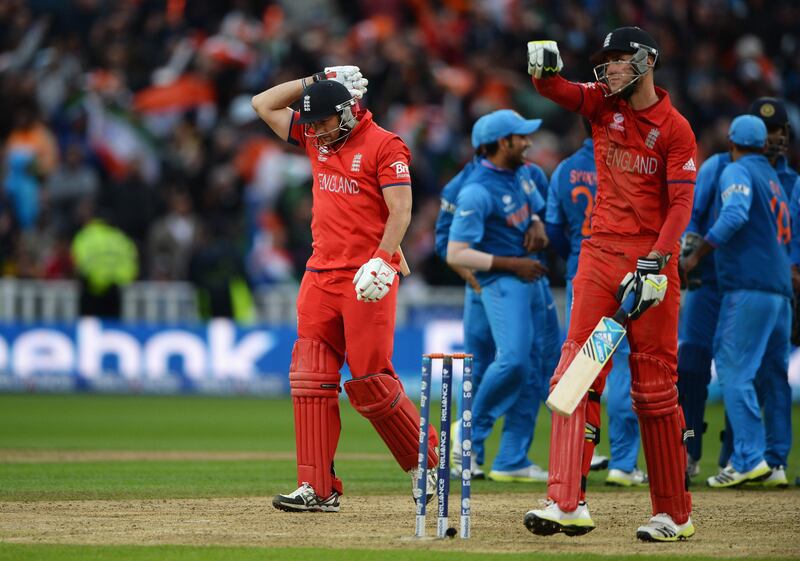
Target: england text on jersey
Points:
(631, 161)
(337, 184)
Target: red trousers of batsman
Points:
(333, 326)
(653, 338)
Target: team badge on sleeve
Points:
(400, 169)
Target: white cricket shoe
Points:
(619, 478)
(598, 463)
(662, 528)
(729, 477)
(525, 475)
(455, 455)
(477, 472)
(455, 449)
(776, 479)
(552, 520)
(430, 484)
(305, 499)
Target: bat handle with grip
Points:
(621, 314)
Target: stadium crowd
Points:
(138, 112)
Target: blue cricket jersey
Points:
(788, 176)
(534, 182)
(492, 214)
(753, 232)
(706, 209)
(448, 207)
(791, 186)
(571, 198)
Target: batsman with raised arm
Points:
(347, 299)
(645, 155)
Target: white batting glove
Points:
(648, 286)
(543, 59)
(350, 77)
(374, 280)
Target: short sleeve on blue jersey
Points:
(473, 206)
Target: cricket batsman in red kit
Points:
(645, 155)
(346, 304)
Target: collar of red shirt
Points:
(364, 116)
(657, 113)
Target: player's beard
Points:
(517, 160)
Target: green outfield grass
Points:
(81, 422)
(217, 425)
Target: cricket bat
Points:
(404, 268)
(590, 360)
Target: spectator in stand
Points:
(218, 274)
(105, 260)
(73, 181)
(172, 239)
(105, 76)
(31, 154)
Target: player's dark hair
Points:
(587, 126)
(491, 148)
(750, 149)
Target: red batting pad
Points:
(655, 401)
(314, 380)
(381, 399)
(566, 443)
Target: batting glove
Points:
(374, 280)
(648, 286)
(543, 59)
(350, 77)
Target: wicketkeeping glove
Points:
(543, 59)
(648, 286)
(350, 77)
(374, 280)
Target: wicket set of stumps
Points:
(443, 468)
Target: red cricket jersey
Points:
(349, 213)
(646, 161)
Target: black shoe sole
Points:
(292, 508)
(542, 527)
(428, 499)
(646, 537)
(288, 508)
(599, 467)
